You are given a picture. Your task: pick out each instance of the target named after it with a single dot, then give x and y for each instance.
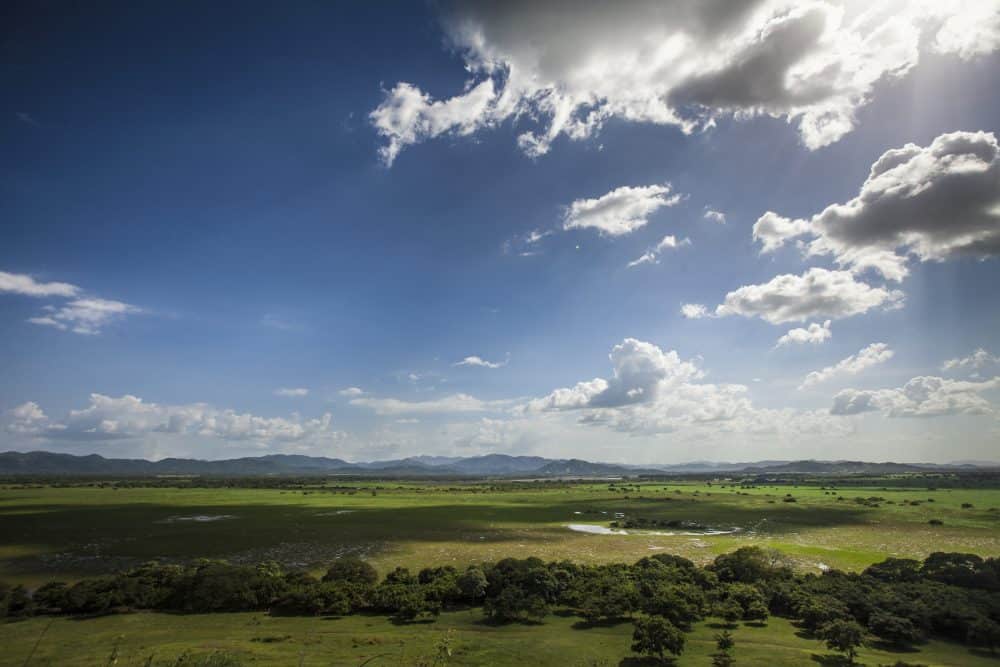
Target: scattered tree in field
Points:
(724, 641)
(656, 637)
(843, 636)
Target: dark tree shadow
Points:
(833, 660)
(645, 662)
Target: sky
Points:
(643, 232)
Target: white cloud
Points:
(108, 418)
(447, 404)
(27, 419)
(569, 68)
(925, 396)
(772, 230)
(85, 316)
(652, 391)
(874, 354)
(352, 392)
(814, 334)
(621, 211)
(408, 116)
(974, 361)
(480, 362)
(524, 245)
(82, 314)
(715, 216)
(290, 392)
(694, 311)
(816, 293)
(934, 203)
(25, 285)
(652, 256)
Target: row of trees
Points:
(897, 601)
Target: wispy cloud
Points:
(291, 392)
(25, 285)
(482, 363)
(874, 354)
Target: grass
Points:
(48, 533)
(262, 640)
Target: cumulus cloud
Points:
(652, 391)
(565, 69)
(351, 392)
(652, 256)
(25, 285)
(26, 419)
(715, 216)
(874, 354)
(454, 403)
(291, 392)
(932, 203)
(621, 211)
(814, 334)
(925, 396)
(816, 293)
(975, 361)
(480, 362)
(110, 418)
(86, 316)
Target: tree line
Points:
(899, 601)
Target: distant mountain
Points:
(499, 464)
(490, 465)
(838, 468)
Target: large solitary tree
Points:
(657, 637)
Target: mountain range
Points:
(490, 465)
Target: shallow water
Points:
(594, 530)
(200, 518)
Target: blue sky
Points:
(199, 210)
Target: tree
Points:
(728, 610)
(894, 629)
(352, 570)
(472, 584)
(725, 641)
(984, 632)
(656, 637)
(844, 636)
(680, 604)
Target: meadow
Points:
(67, 532)
(259, 639)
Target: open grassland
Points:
(68, 532)
(560, 640)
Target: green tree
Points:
(656, 637)
(843, 636)
(352, 570)
(472, 584)
(724, 641)
(984, 632)
(728, 610)
(894, 629)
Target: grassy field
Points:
(66, 533)
(264, 640)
